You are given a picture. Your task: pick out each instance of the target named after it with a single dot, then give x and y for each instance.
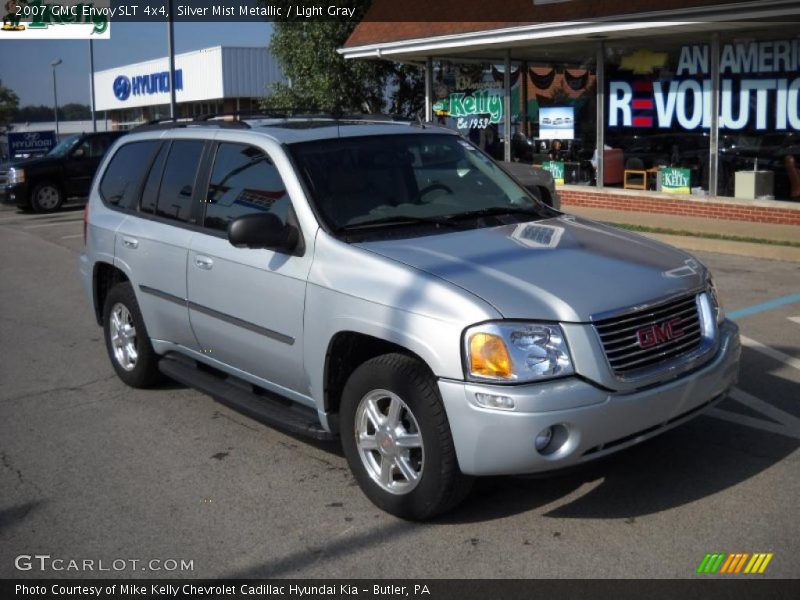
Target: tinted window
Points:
(121, 179)
(150, 191)
(243, 181)
(94, 146)
(177, 183)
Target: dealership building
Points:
(695, 104)
(211, 80)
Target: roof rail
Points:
(171, 123)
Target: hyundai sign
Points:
(139, 85)
(31, 142)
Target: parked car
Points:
(43, 183)
(391, 286)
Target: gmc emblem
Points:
(653, 335)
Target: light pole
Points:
(54, 64)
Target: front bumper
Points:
(597, 422)
(15, 193)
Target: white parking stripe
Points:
(70, 237)
(794, 319)
(53, 224)
(771, 352)
(732, 417)
(774, 413)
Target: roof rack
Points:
(238, 120)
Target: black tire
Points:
(144, 372)
(441, 485)
(46, 197)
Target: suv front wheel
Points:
(397, 438)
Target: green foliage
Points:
(319, 79)
(9, 101)
(41, 113)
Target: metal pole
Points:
(507, 106)
(428, 89)
(55, 101)
(523, 82)
(171, 50)
(713, 142)
(600, 84)
(91, 84)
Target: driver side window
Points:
(243, 181)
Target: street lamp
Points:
(54, 64)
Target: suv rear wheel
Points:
(127, 342)
(397, 439)
(46, 198)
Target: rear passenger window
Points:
(121, 180)
(175, 192)
(243, 181)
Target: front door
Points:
(246, 305)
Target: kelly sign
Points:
(676, 180)
(556, 168)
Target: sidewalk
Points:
(700, 226)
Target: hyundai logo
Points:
(122, 88)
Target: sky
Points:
(25, 65)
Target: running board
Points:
(256, 403)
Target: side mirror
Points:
(263, 230)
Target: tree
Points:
(319, 79)
(9, 101)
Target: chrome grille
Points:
(620, 335)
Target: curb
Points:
(699, 244)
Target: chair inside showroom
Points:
(635, 175)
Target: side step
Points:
(261, 405)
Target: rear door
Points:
(246, 305)
(154, 242)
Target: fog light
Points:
(543, 439)
(492, 401)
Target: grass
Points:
(712, 236)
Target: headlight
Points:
(16, 175)
(516, 352)
(716, 302)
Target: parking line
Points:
(764, 306)
(70, 237)
(765, 408)
(732, 417)
(53, 224)
(771, 352)
(794, 320)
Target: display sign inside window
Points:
(759, 88)
(471, 95)
(556, 168)
(675, 180)
(557, 123)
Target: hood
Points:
(31, 161)
(560, 269)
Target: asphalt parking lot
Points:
(90, 469)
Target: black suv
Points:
(44, 182)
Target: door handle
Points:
(130, 242)
(203, 262)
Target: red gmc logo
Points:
(653, 335)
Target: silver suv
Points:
(392, 286)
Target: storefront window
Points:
(658, 115)
(759, 155)
(468, 97)
(562, 118)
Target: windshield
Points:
(64, 146)
(412, 179)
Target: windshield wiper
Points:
(496, 210)
(399, 220)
